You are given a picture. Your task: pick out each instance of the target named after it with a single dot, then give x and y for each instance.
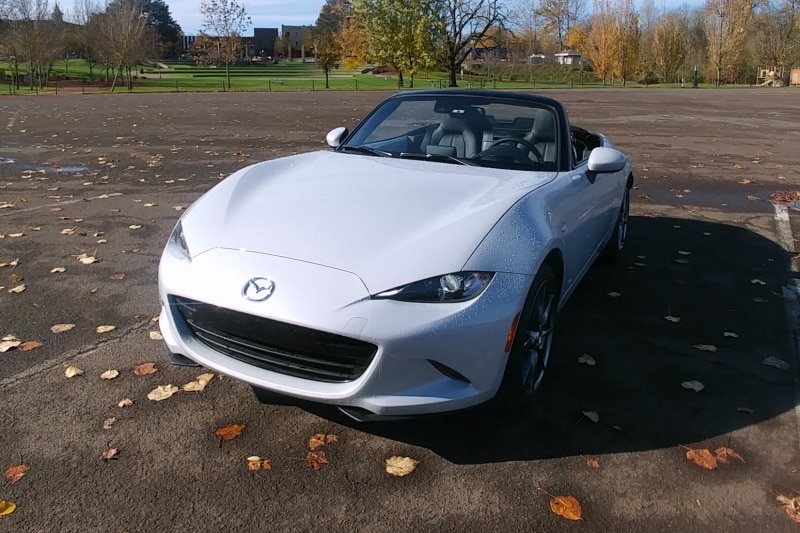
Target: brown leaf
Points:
(117, 276)
(321, 439)
(399, 466)
(125, 402)
(15, 278)
(256, 463)
(110, 453)
(702, 458)
(16, 472)
(29, 345)
(105, 328)
(567, 507)
(162, 392)
(230, 432)
(145, 369)
(592, 463)
(316, 460)
(790, 504)
(61, 328)
(109, 374)
(724, 454)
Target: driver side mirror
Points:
(606, 160)
(335, 136)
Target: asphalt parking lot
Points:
(107, 176)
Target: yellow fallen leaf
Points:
(135, 226)
(6, 508)
(58, 270)
(199, 383)
(61, 328)
(162, 392)
(109, 374)
(566, 507)
(156, 336)
(105, 329)
(9, 344)
(71, 371)
(17, 289)
(400, 466)
(87, 259)
(125, 402)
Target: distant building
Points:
(188, 41)
(292, 41)
(569, 57)
(263, 42)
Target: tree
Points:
(354, 40)
(83, 35)
(225, 21)
(668, 46)
(399, 33)
(560, 16)
(323, 38)
(775, 37)
(628, 60)
(122, 31)
(159, 19)
(726, 24)
(464, 23)
(602, 44)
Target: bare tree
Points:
(776, 33)
(225, 21)
(668, 46)
(122, 30)
(628, 60)
(726, 24)
(465, 23)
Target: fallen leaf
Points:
(760, 300)
(587, 359)
(9, 344)
(199, 383)
(230, 432)
(684, 252)
(566, 507)
(674, 319)
(702, 458)
(730, 334)
(256, 463)
(145, 369)
(592, 463)
(6, 508)
(125, 402)
(61, 328)
(110, 453)
(29, 345)
(117, 276)
(745, 410)
(757, 281)
(723, 454)
(775, 362)
(399, 466)
(109, 374)
(58, 270)
(682, 261)
(17, 289)
(592, 415)
(71, 371)
(321, 439)
(614, 294)
(16, 472)
(87, 259)
(693, 385)
(156, 336)
(790, 504)
(15, 278)
(108, 423)
(135, 226)
(315, 460)
(162, 392)
(705, 347)
(105, 329)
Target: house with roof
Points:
(568, 57)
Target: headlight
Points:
(178, 241)
(456, 287)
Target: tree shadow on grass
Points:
(700, 272)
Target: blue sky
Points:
(273, 13)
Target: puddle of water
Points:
(17, 165)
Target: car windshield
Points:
(486, 131)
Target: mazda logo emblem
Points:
(258, 289)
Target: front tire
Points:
(617, 241)
(533, 340)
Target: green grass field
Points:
(297, 76)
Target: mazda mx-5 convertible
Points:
(416, 267)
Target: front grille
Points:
(273, 345)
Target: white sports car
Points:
(416, 267)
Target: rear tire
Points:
(533, 340)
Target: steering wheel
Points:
(527, 144)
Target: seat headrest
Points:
(544, 127)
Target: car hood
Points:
(389, 221)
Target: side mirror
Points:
(335, 136)
(606, 160)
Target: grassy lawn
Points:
(296, 76)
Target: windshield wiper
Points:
(441, 158)
(364, 150)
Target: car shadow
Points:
(723, 283)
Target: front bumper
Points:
(429, 358)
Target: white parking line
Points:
(56, 204)
(791, 292)
(12, 120)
